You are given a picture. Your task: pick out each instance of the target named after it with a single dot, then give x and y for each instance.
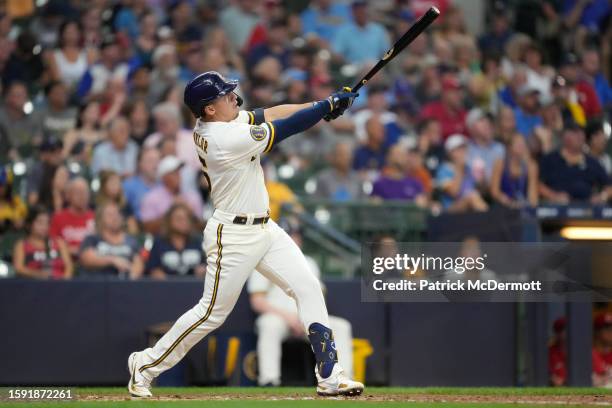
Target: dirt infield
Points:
(574, 400)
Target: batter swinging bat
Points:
(412, 33)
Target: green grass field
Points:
(230, 397)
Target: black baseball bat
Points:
(412, 33)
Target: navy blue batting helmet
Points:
(205, 88)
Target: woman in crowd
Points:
(140, 120)
(514, 181)
(111, 251)
(39, 256)
(176, 252)
(111, 190)
(80, 141)
(70, 60)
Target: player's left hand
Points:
(341, 101)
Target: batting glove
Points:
(340, 102)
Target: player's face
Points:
(225, 108)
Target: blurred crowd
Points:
(96, 145)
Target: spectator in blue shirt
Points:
(454, 179)
(527, 114)
(371, 155)
(275, 45)
(569, 174)
(323, 18)
(176, 252)
(137, 186)
(483, 150)
(118, 153)
(361, 41)
(587, 13)
(495, 40)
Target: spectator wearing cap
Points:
(483, 149)
(339, 182)
(69, 61)
(597, 141)
(176, 251)
(455, 181)
(570, 174)
(74, 223)
(13, 210)
(96, 78)
(138, 185)
(323, 18)
(395, 184)
(22, 128)
(47, 176)
(527, 114)
(275, 45)
(118, 153)
(602, 350)
(156, 202)
(110, 251)
(592, 73)
(371, 155)
(586, 95)
(557, 354)
(360, 41)
(57, 117)
(514, 179)
(449, 110)
(39, 256)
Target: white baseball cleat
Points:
(338, 384)
(138, 385)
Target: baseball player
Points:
(240, 236)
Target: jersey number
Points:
(205, 171)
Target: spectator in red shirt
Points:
(37, 256)
(557, 368)
(449, 110)
(602, 350)
(587, 97)
(74, 223)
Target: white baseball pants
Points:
(233, 251)
(272, 330)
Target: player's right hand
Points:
(340, 102)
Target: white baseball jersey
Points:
(230, 154)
